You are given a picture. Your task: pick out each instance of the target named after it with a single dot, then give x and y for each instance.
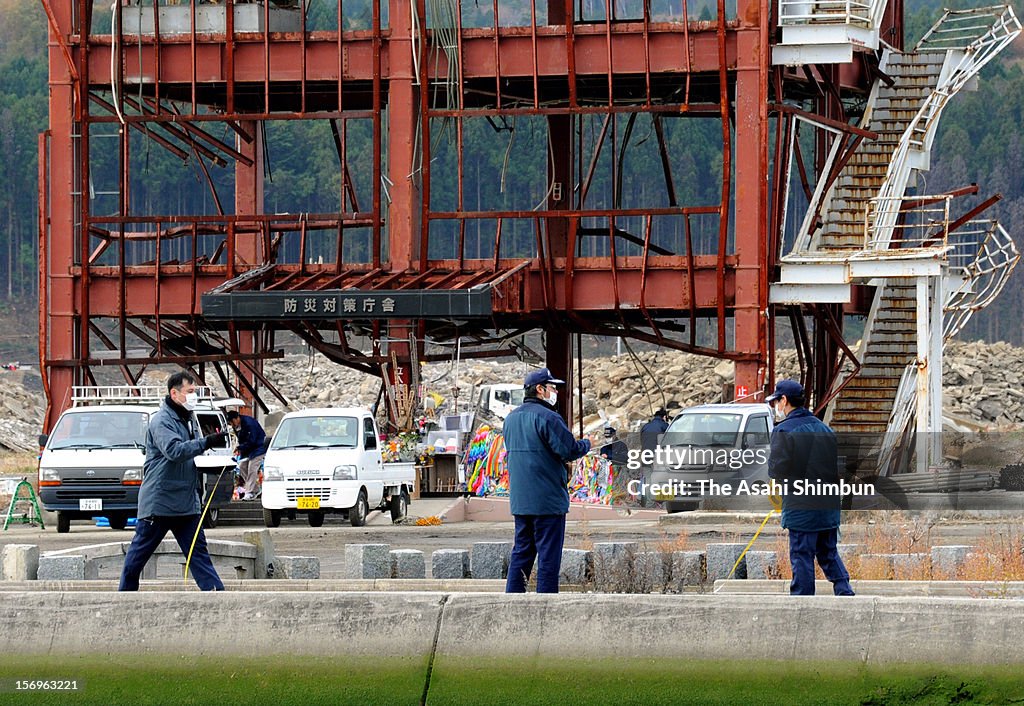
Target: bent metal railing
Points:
(831, 12)
(958, 31)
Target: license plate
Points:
(664, 497)
(91, 504)
(307, 503)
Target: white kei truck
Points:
(329, 461)
(91, 462)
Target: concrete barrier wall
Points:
(863, 629)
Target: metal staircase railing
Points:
(983, 256)
(831, 12)
(971, 43)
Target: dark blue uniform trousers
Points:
(538, 537)
(803, 548)
(149, 532)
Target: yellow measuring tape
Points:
(202, 517)
(776, 501)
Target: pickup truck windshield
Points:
(317, 432)
(704, 429)
(100, 429)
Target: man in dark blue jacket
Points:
(804, 457)
(652, 430)
(171, 487)
(650, 433)
(538, 445)
(252, 447)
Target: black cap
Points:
(541, 377)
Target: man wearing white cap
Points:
(539, 444)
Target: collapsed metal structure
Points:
(414, 254)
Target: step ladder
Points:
(32, 515)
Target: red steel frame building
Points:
(104, 304)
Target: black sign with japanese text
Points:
(349, 304)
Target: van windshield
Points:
(317, 432)
(518, 395)
(704, 429)
(100, 430)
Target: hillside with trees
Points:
(981, 141)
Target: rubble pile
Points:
(982, 382)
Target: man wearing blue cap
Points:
(804, 455)
(538, 445)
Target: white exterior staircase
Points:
(865, 229)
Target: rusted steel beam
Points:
(55, 31)
(668, 51)
(909, 204)
(815, 117)
(158, 360)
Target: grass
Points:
(494, 680)
(149, 680)
(19, 464)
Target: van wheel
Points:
(680, 506)
(357, 515)
(212, 515)
(118, 522)
(316, 519)
(399, 506)
(63, 523)
(272, 518)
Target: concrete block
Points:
(849, 551)
(947, 561)
(297, 567)
(876, 566)
(762, 565)
(489, 560)
(613, 566)
(264, 563)
(648, 572)
(911, 566)
(687, 570)
(449, 564)
(720, 560)
(19, 562)
(367, 561)
(577, 565)
(72, 567)
(408, 564)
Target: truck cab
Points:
(712, 443)
(324, 461)
(499, 400)
(91, 464)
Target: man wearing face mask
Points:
(169, 498)
(538, 445)
(804, 450)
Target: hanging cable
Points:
(114, 16)
(415, 43)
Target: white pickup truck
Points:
(329, 460)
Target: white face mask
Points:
(553, 400)
(191, 400)
(779, 414)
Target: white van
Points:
(329, 460)
(92, 460)
(721, 443)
